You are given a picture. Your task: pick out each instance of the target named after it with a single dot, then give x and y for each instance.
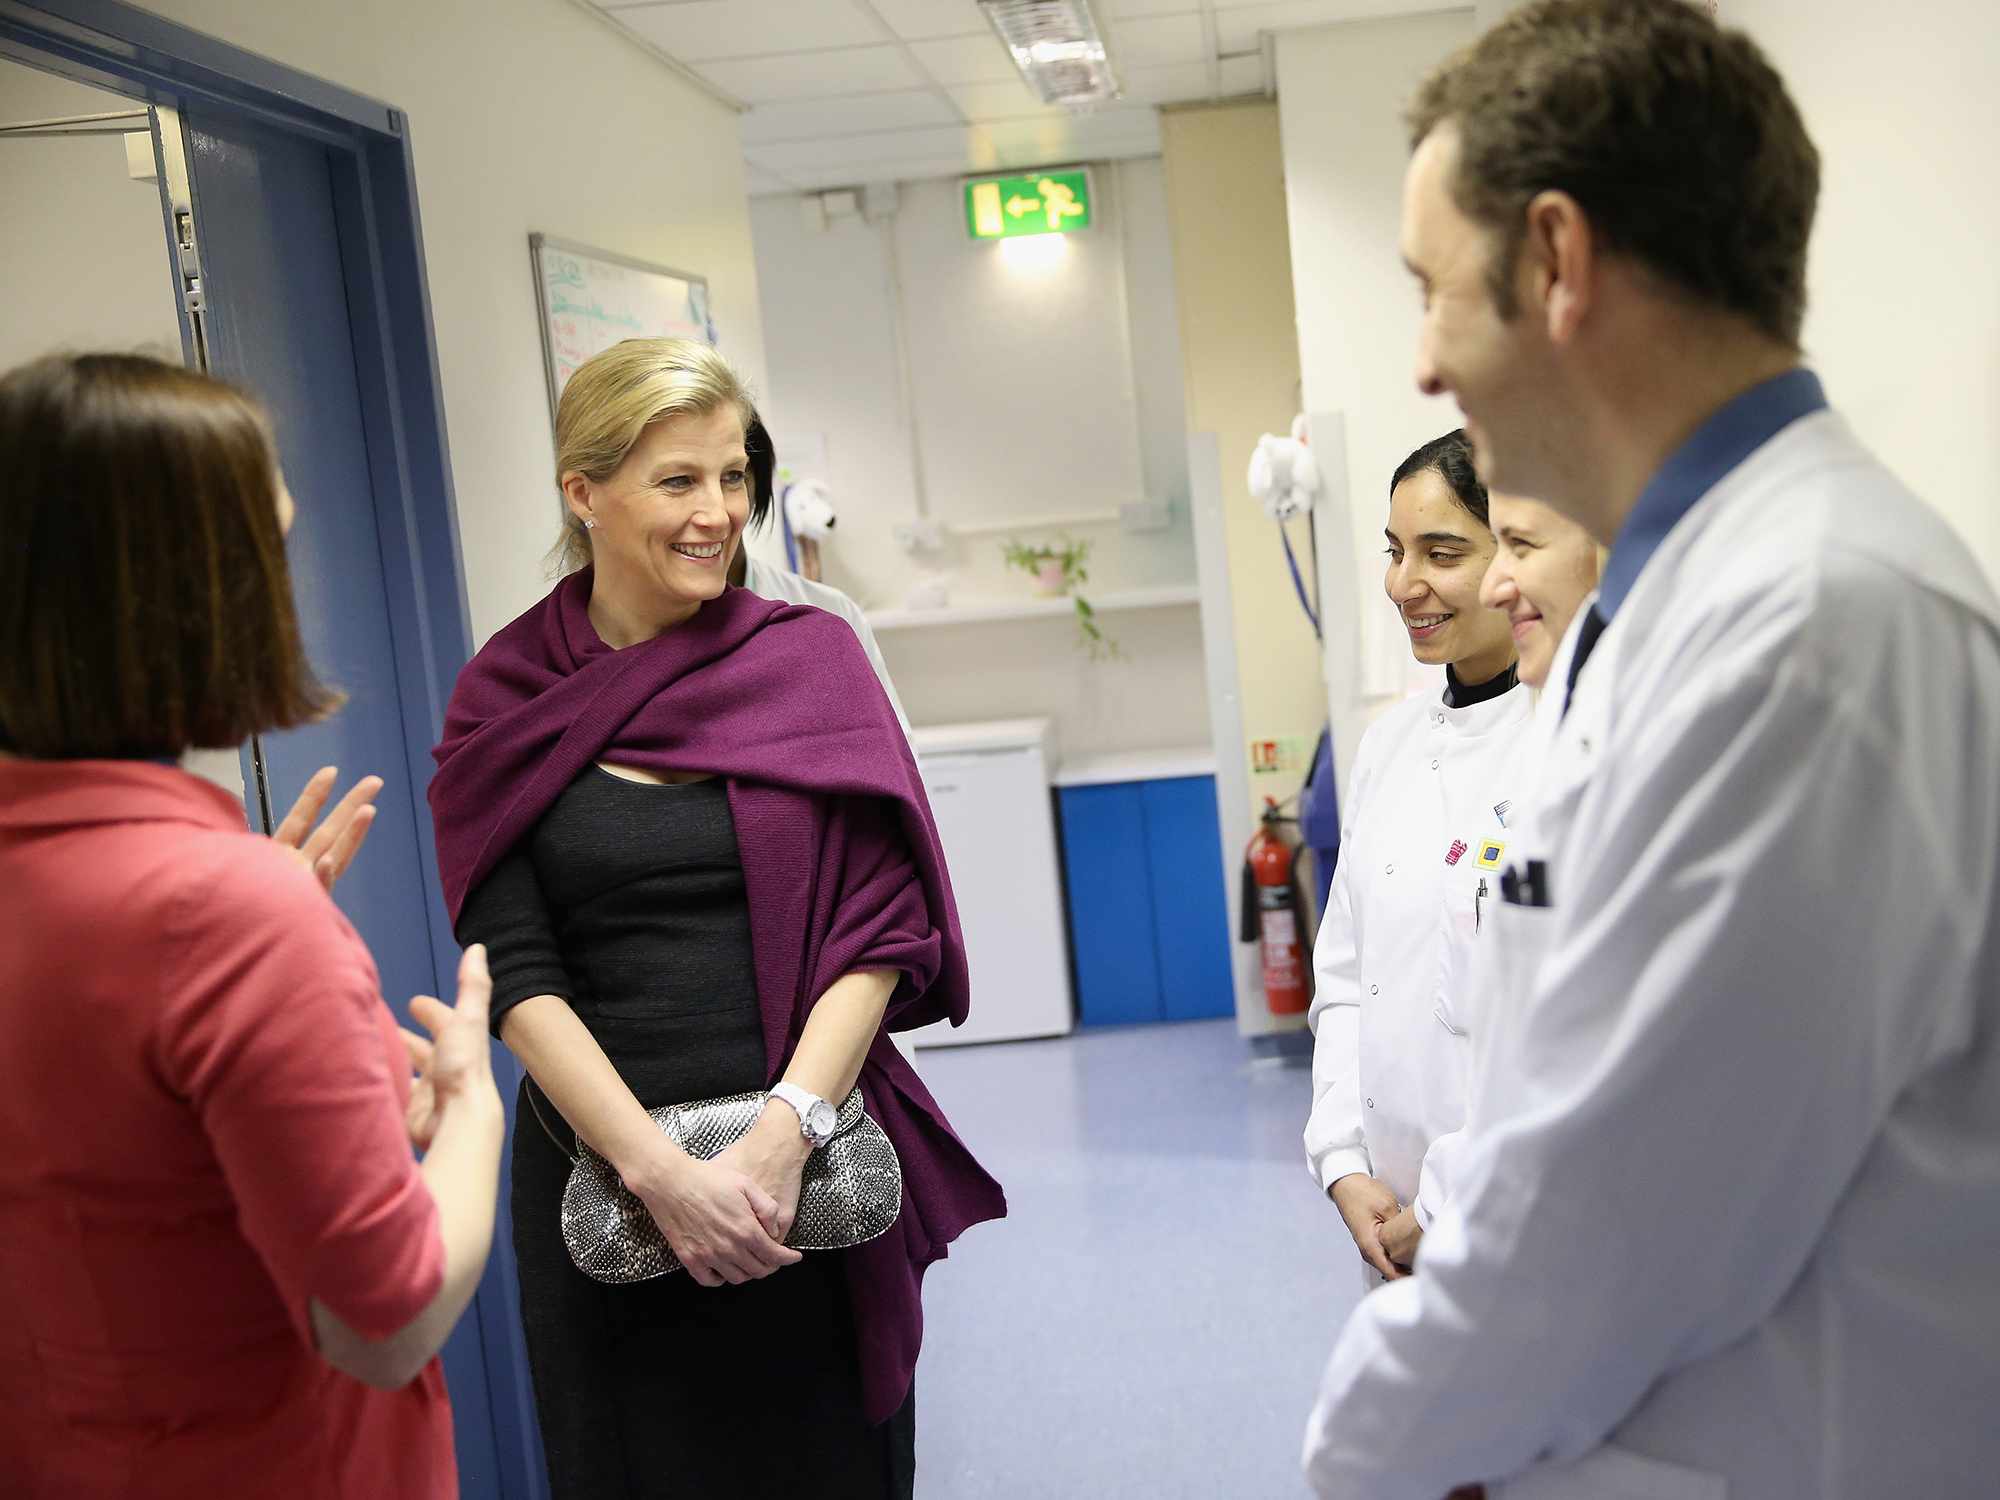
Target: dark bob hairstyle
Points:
(145, 602)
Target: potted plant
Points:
(1054, 568)
(1057, 570)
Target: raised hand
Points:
(455, 1061)
(330, 848)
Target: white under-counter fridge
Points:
(989, 789)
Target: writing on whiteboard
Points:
(591, 303)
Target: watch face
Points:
(821, 1120)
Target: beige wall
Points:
(524, 115)
(83, 250)
(1239, 349)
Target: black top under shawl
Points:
(627, 900)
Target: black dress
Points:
(627, 900)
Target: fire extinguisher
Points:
(1272, 915)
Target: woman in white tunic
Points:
(1425, 835)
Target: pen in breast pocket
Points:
(1477, 897)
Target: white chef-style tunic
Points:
(1426, 832)
(1522, 774)
(1727, 1221)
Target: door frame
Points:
(118, 47)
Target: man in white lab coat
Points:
(1727, 1222)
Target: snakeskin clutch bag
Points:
(850, 1191)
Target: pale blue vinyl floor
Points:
(1152, 1317)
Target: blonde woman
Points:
(686, 822)
(1542, 577)
(1543, 574)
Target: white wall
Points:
(83, 250)
(524, 115)
(1341, 91)
(1904, 323)
(1022, 375)
(1037, 390)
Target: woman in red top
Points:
(222, 1271)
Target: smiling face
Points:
(1438, 552)
(1495, 366)
(1543, 568)
(665, 524)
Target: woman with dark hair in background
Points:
(1420, 853)
(222, 1271)
(769, 582)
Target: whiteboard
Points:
(590, 299)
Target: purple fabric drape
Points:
(841, 857)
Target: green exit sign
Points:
(1002, 208)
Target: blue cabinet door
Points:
(1149, 920)
(1110, 905)
(1190, 907)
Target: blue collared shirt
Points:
(1697, 466)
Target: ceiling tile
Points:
(1118, 10)
(1068, 137)
(1171, 85)
(1155, 43)
(967, 59)
(814, 75)
(814, 119)
(697, 30)
(1240, 23)
(841, 151)
(914, 19)
(1056, 147)
(1001, 101)
(1059, 139)
(1242, 75)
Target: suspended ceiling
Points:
(840, 92)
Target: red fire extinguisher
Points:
(1272, 914)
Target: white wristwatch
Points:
(818, 1120)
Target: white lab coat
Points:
(1522, 774)
(777, 583)
(1390, 1058)
(1727, 1222)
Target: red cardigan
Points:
(201, 1099)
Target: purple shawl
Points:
(841, 859)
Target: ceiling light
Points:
(1057, 47)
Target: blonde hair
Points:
(612, 398)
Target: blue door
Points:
(278, 323)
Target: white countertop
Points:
(1136, 765)
(996, 734)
